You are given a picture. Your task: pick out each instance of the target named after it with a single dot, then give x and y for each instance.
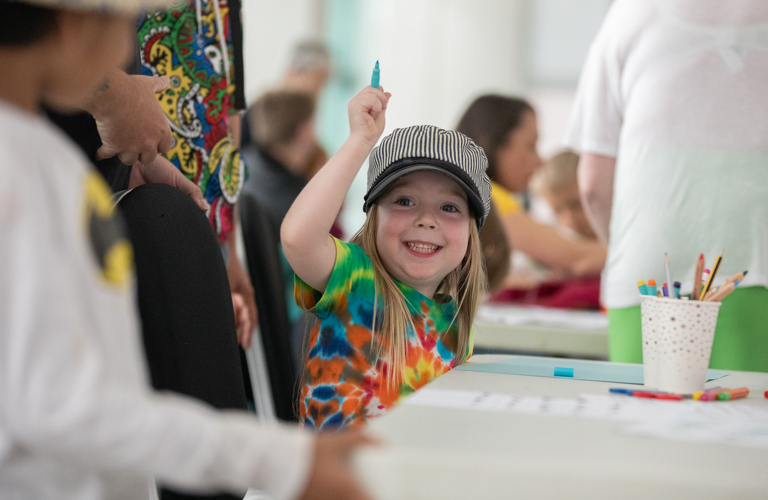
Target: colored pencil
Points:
(722, 292)
(712, 274)
(736, 277)
(697, 278)
(666, 268)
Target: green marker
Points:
(375, 76)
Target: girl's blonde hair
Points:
(466, 284)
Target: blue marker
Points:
(563, 372)
(618, 390)
(642, 287)
(375, 76)
(676, 288)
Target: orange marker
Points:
(741, 392)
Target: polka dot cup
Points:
(677, 342)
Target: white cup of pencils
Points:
(678, 331)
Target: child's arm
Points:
(543, 243)
(304, 234)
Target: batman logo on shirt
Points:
(106, 233)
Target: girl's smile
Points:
(423, 229)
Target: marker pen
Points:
(652, 287)
(711, 395)
(741, 392)
(697, 395)
(375, 76)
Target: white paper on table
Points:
(567, 318)
(692, 421)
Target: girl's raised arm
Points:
(304, 234)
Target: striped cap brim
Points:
(413, 165)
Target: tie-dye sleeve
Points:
(352, 270)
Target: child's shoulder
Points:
(29, 143)
(43, 174)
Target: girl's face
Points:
(517, 159)
(423, 229)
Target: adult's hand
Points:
(160, 170)
(243, 322)
(331, 477)
(240, 284)
(130, 121)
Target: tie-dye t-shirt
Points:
(343, 383)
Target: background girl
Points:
(506, 129)
(395, 307)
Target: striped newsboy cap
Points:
(426, 147)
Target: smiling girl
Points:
(395, 306)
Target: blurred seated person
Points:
(282, 132)
(283, 141)
(556, 183)
(309, 69)
(309, 72)
(506, 128)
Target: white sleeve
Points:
(596, 117)
(59, 397)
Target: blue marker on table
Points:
(618, 390)
(375, 76)
(563, 372)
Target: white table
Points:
(439, 453)
(559, 332)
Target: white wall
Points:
(436, 56)
(270, 30)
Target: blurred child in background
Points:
(556, 183)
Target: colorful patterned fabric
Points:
(185, 44)
(343, 383)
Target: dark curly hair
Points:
(23, 24)
(489, 120)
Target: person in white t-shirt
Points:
(78, 419)
(671, 118)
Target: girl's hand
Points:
(366, 114)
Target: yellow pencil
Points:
(712, 274)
